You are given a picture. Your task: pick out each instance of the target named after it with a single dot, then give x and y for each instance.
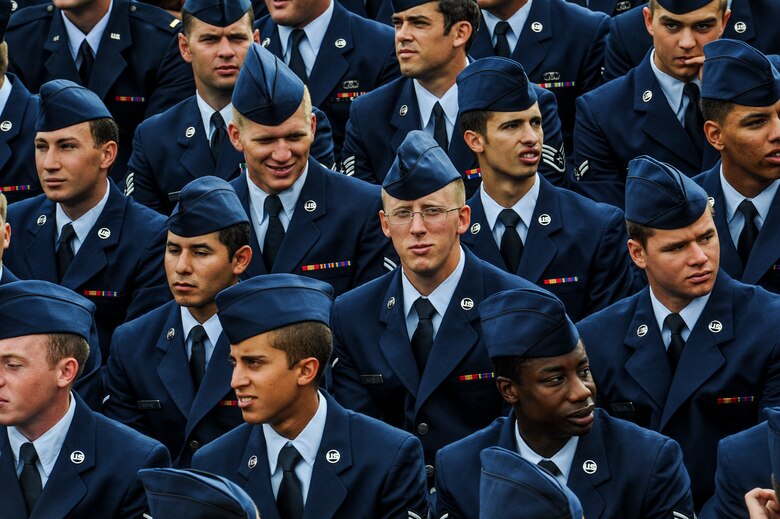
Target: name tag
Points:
(372, 379)
(149, 404)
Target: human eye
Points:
(402, 214)
(434, 211)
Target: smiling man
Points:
(695, 355)
(168, 376)
(543, 372)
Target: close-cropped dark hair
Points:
(716, 110)
(234, 237)
(103, 130)
(64, 345)
(638, 233)
(474, 120)
(187, 17)
(509, 367)
(303, 340)
(455, 11)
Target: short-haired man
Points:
(57, 457)
(543, 373)
(214, 40)
(300, 453)
(654, 110)
(694, 355)
(408, 347)
(432, 38)
(520, 222)
(741, 107)
(752, 21)
(336, 53)
(167, 373)
(83, 233)
(305, 219)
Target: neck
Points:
(426, 284)
(77, 209)
(506, 191)
(505, 12)
(48, 419)
(305, 409)
(675, 304)
(542, 442)
(747, 185)
(203, 313)
(216, 99)
(87, 16)
(440, 82)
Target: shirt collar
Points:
(212, 326)
(441, 296)
(307, 443)
(671, 87)
(48, 446)
(516, 21)
(75, 36)
(426, 100)
(562, 459)
(315, 31)
(288, 197)
(83, 225)
(207, 111)
(5, 93)
(690, 314)
(523, 207)
(733, 198)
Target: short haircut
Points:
(638, 232)
(3, 209)
(303, 340)
(234, 237)
(716, 110)
(455, 11)
(103, 130)
(240, 120)
(187, 18)
(457, 191)
(475, 121)
(653, 5)
(509, 367)
(65, 345)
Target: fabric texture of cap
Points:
(526, 322)
(494, 84)
(267, 92)
(683, 6)
(660, 197)
(193, 494)
(737, 73)
(64, 103)
(207, 204)
(511, 487)
(420, 168)
(264, 303)
(403, 5)
(220, 13)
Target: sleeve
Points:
(590, 76)
(553, 165)
(373, 248)
(356, 161)
(322, 147)
(150, 288)
(174, 80)
(669, 488)
(617, 61)
(446, 505)
(134, 504)
(140, 180)
(771, 395)
(121, 402)
(405, 492)
(729, 499)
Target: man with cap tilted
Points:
(751, 21)
(432, 39)
(519, 221)
(57, 457)
(695, 355)
(300, 453)
(18, 111)
(654, 110)
(306, 219)
(338, 54)
(168, 375)
(741, 107)
(83, 233)
(615, 468)
(215, 37)
(124, 51)
(408, 347)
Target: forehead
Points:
(522, 115)
(79, 132)
(297, 122)
(689, 233)
(568, 361)
(698, 15)
(254, 346)
(25, 346)
(738, 112)
(428, 10)
(211, 238)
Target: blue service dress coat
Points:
(752, 21)
(356, 56)
(363, 468)
(119, 267)
(334, 235)
(619, 470)
(138, 70)
(380, 121)
(374, 371)
(18, 174)
(561, 48)
(150, 387)
(610, 7)
(621, 120)
(729, 370)
(95, 472)
(160, 168)
(763, 266)
(575, 248)
(743, 464)
(8, 276)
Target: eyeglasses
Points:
(428, 215)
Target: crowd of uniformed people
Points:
(307, 259)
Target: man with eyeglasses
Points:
(408, 347)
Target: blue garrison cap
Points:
(511, 487)
(264, 303)
(773, 431)
(403, 5)
(207, 204)
(38, 307)
(64, 103)
(195, 495)
(267, 91)
(526, 322)
(5, 15)
(660, 197)
(494, 84)
(682, 6)
(737, 73)
(217, 12)
(420, 168)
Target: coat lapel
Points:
(394, 342)
(740, 12)
(13, 113)
(196, 156)
(530, 49)
(269, 38)
(538, 242)
(13, 500)
(479, 238)
(256, 266)
(215, 384)
(406, 116)
(39, 253)
(109, 62)
(332, 60)
(60, 63)
(729, 257)
(255, 470)
(592, 450)
(765, 252)
(173, 369)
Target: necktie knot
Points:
(273, 206)
(67, 234)
(289, 457)
(502, 28)
(424, 308)
(675, 323)
(198, 333)
(550, 467)
(297, 36)
(217, 121)
(509, 218)
(28, 454)
(691, 91)
(748, 210)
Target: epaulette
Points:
(153, 15)
(28, 14)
